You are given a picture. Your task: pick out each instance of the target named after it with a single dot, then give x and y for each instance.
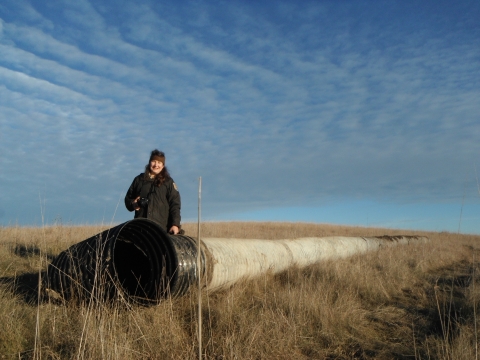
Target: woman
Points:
(154, 195)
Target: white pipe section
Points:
(231, 260)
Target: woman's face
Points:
(156, 166)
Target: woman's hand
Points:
(135, 204)
(174, 230)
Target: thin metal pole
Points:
(199, 271)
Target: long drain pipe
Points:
(139, 261)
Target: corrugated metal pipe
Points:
(139, 261)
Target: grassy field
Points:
(407, 302)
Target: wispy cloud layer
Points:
(274, 105)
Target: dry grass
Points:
(411, 302)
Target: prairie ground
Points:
(407, 302)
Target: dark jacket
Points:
(163, 201)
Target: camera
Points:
(142, 202)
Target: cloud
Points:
(272, 105)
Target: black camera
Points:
(142, 202)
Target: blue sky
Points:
(346, 112)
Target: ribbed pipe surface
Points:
(136, 260)
(139, 261)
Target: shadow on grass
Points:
(25, 286)
(26, 251)
(444, 307)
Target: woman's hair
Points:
(164, 175)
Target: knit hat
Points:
(157, 155)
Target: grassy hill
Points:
(407, 302)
